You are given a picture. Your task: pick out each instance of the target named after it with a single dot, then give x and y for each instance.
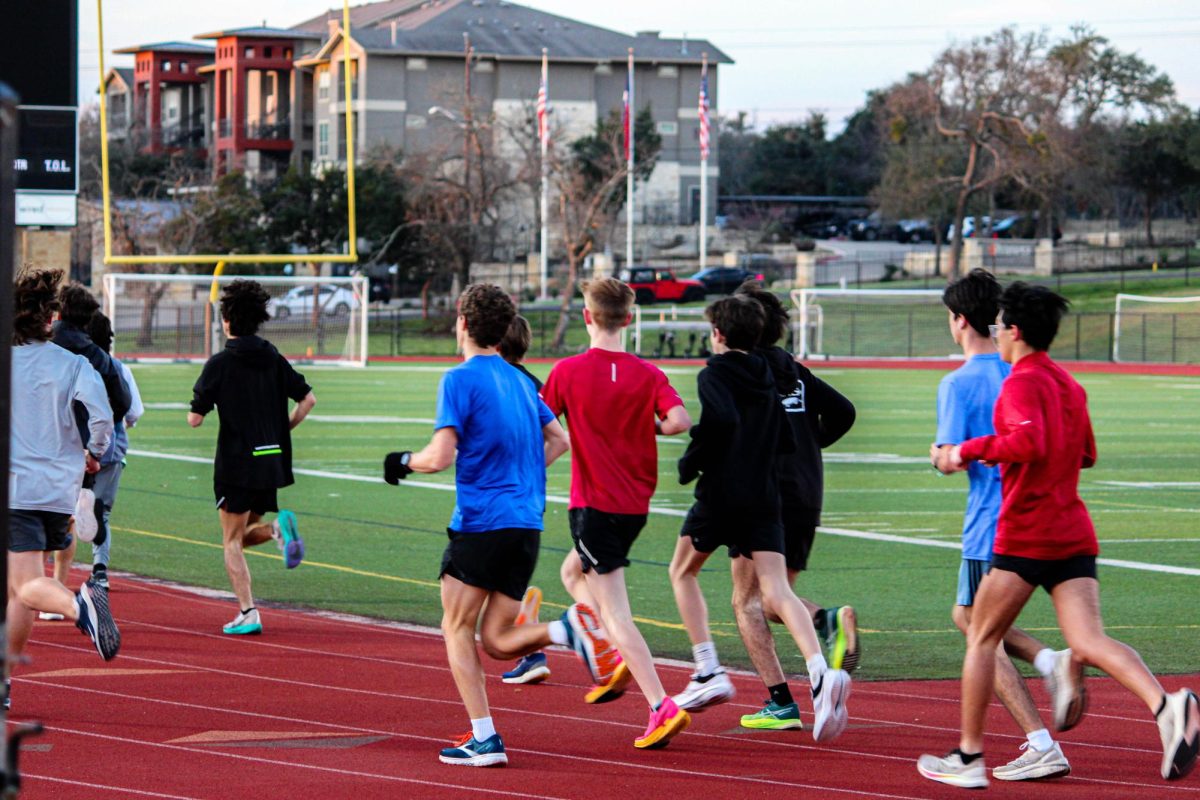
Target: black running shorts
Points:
(239, 499)
(603, 540)
(1046, 574)
(745, 533)
(497, 561)
(799, 531)
(37, 531)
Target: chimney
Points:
(333, 27)
(394, 33)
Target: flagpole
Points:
(704, 164)
(629, 170)
(544, 135)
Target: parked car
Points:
(654, 284)
(331, 301)
(971, 226)
(723, 280)
(914, 230)
(1021, 226)
(870, 229)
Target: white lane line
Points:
(678, 512)
(371, 419)
(604, 763)
(1152, 484)
(125, 790)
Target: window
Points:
(249, 52)
(323, 81)
(323, 140)
(268, 52)
(166, 66)
(667, 128)
(287, 53)
(184, 66)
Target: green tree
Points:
(1157, 162)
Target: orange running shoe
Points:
(531, 604)
(586, 637)
(614, 688)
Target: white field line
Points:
(1152, 484)
(678, 512)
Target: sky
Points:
(792, 57)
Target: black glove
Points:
(396, 468)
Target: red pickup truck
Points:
(654, 284)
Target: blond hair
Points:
(610, 302)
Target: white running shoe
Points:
(829, 696)
(1179, 726)
(1068, 696)
(1033, 764)
(951, 770)
(706, 690)
(86, 524)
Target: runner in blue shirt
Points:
(500, 437)
(965, 401)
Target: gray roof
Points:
(503, 29)
(258, 32)
(170, 47)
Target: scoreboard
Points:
(48, 150)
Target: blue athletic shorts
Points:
(970, 573)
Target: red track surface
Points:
(326, 708)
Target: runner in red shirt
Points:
(615, 404)
(1045, 538)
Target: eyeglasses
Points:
(994, 330)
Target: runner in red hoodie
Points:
(1045, 538)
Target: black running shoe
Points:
(96, 620)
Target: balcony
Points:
(270, 131)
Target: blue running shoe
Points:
(469, 752)
(96, 620)
(293, 545)
(530, 669)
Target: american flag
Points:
(542, 117)
(626, 118)
(704, 113)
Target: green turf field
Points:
(375, 549)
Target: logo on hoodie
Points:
(793, 402)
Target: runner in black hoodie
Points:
(250, 383)
(818, 415)
(734, 450)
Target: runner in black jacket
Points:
(249, 383)
(735, 450)
(818, 415)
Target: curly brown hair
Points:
(78, 305)
(244, 307)
(488, 312)
(35, 301)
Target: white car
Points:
(330, 300)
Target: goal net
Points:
(1156, 329)
(870, 323)
(171, 318)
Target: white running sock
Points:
(1043, 662)
(482, 729)
(558, 632)
(705, 654)
(816, 665)
(1040, 740)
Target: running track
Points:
(328, 707)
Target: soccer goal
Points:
(175, 318)
(870, 323)
(1157, 329)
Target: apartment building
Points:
(276, 96)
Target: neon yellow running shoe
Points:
(844, 648)
(774, 717)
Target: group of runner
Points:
(754, 453)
